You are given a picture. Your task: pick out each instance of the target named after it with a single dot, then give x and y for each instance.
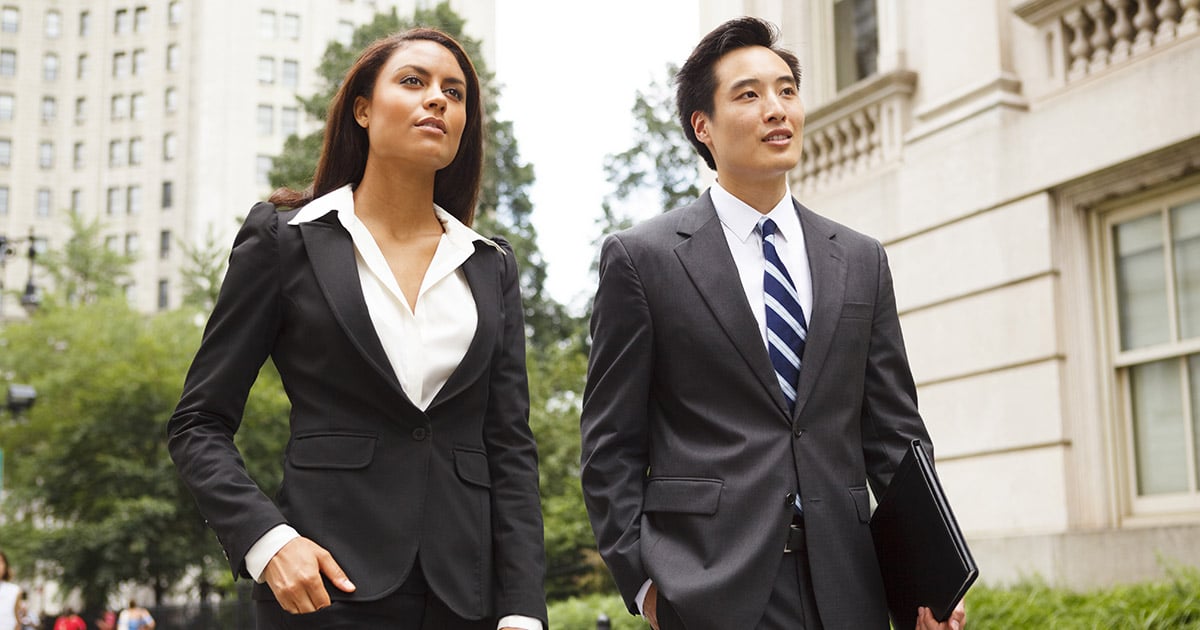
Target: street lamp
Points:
(31, 298)
(20, 397)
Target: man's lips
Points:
(778, 135)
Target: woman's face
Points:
(418, 108)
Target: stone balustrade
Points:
(860, 130)
(1089, 36)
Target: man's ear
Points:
(700, 127)
(362, 111)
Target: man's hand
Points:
(650, 606)
(294, 575)
(957, 620)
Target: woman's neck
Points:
(395, 199)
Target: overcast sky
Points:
(569, 71)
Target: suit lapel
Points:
(331, 253)
(827, 264)
(705, 256)
(484, 280)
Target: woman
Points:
(135, 618)
(410, 489)
(11, 603)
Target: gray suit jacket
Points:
(689, 451)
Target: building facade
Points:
(1033, 169)
(160, 117)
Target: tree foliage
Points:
(85, 270)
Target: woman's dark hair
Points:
(344, 151)
(696, 81)
(7, 574)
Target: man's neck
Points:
(761, 194)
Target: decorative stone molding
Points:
(860, 130)
(1087, 36)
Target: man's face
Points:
(755, 129)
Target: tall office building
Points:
(160, 117)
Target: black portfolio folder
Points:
(922, 554)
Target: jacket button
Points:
(419, 433)
(797, 431)
(789, 499)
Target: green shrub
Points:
(579, 613)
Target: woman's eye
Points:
(454, 93)
(749, 94)
(410, 80)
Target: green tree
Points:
(661, 161)
(202, 272)
(85, 270)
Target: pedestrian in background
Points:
(135, 618)
(11, 604)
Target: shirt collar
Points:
(743, 220)
(341, 202)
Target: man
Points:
(747, 378)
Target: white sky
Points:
(568, 72)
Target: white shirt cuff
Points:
(519, 621)
(266, 547)
(641, 596)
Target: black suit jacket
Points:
(367, 475)
(689, 451)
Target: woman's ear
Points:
(362, 111)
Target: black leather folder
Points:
(922, 554)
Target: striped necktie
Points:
(786, 326)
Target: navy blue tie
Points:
(786, 326)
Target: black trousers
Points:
(412, 607)
(792, 606)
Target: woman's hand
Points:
(294, 575)
(957, 620)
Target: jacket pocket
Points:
(862, 503)
(682, 495)
(857, 310)
(336, 451)
(472, 467)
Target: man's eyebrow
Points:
(751, 81)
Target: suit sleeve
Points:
(890, 419)
(614, 426)
(517, 533)
(239, 337)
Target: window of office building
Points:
(116, 153)
(112, 243)
(120, 65)
(289, 74)
(134, 194)
(76, 200)
(171, 100)
(173, 57)
(266, 120)
(53, 24)
(121, 22)
(115, 201)
(80, 110)
(263, 166)
(856, 40)
(120, 107)
(170, 146)
(7, 106)
(140, 19)
(291, 26)
(1153, 255)
(5, 152)
(175, 13)
(49, 109)
(45, 154)
(78, 156)
(135, 151)
(266, 69)
(289, 121)
(85, 23)
(131, 244)
(266, 24)
(50, 67)
(164, 296)
(10, 19)
(139, 61)
(137, 106)
(81, 66)
(43, 202)
(4, 201)
(164, 244)
(168, 195)
(8, 63)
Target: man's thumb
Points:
(330, 568)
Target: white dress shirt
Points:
(423, 344)
(740, 224)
